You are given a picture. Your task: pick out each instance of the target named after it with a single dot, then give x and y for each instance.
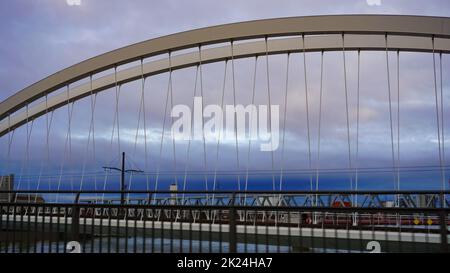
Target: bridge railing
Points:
(232, 227)
(403, 199)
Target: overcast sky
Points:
(55, 34)
(40, 37)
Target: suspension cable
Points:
(10, 140)
(94, 155)
(270, 112)
(398, 120)
(347, 110)
(69, 114)
(319, 125)
(220, 132)
(145, 124)
(3, 175)
(27, 160)
(355, 197)
(437, 116)
(118, 113)
(171, 106)
(235, 114)
(26, 152)
(164, 125)
(70, 141)
(93, 103)
(390, 111)
(284, 119)
(46, 148)
(6, 163)
(203, 124)
(115, 108)
(307, 112)
(251, 129)
(117, 88)
(141, 103)
(104, 186)
(357, 123)
(190, 137)
(137, 127)
(118, 118)
(442, 121)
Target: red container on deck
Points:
(340, 204)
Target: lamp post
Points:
(122, 171)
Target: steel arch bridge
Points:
(226, 43)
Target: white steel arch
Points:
(362, 32)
